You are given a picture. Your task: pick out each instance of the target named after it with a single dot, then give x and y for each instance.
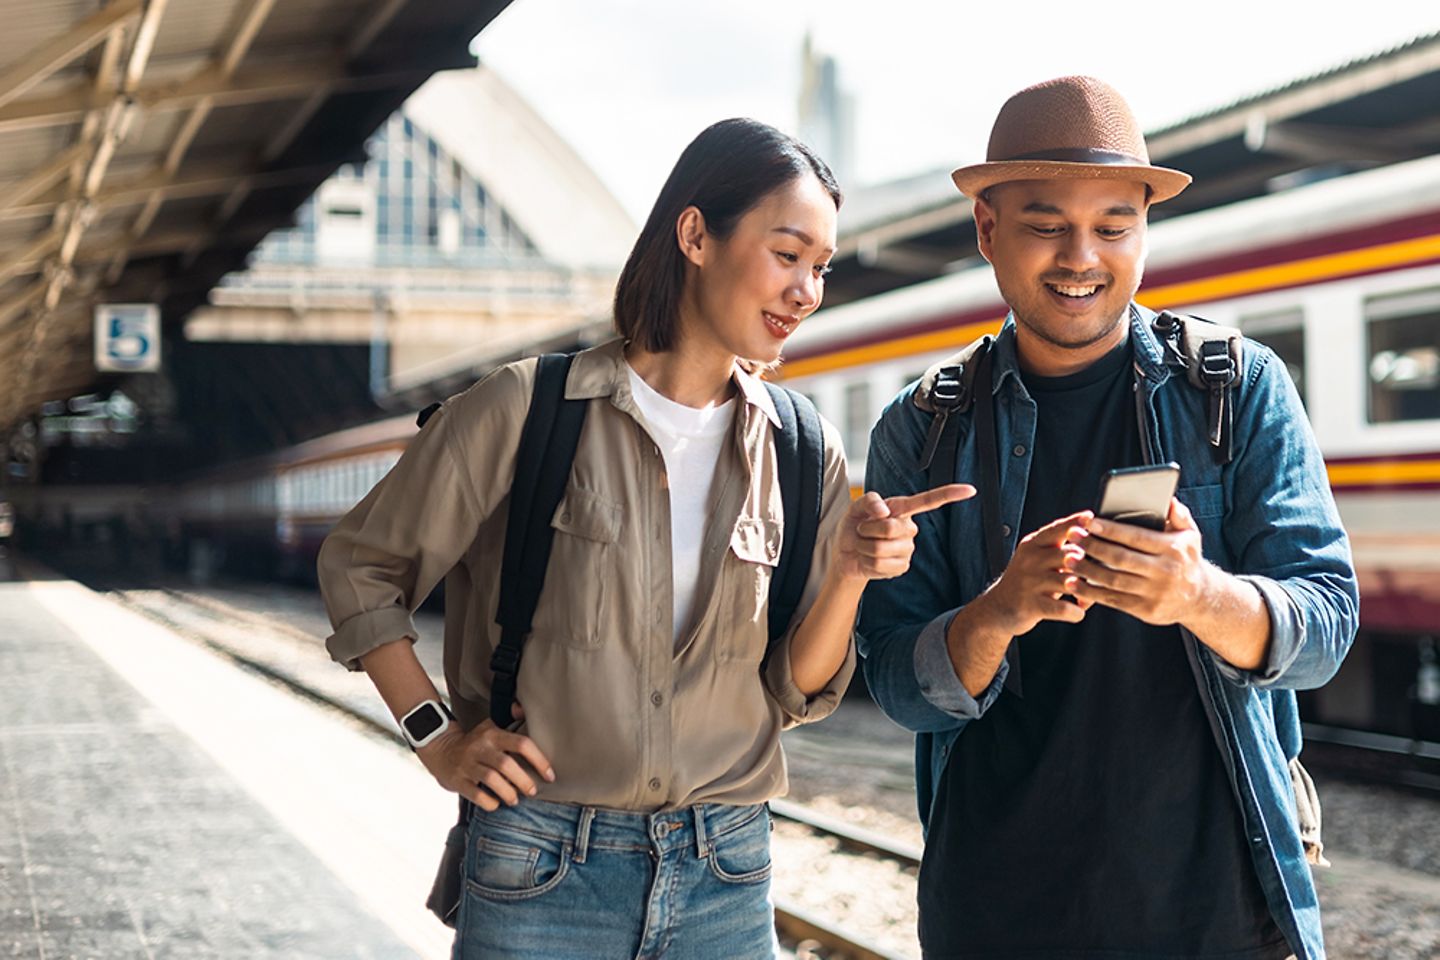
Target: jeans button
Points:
(1005, 529)
(662, 829)
(1019, 450)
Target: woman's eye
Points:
(1048, 231)
(823, 269)
(787, 256)
(1112, 233)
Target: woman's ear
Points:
(690, 234)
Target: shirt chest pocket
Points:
(749, 566)
(581, 574)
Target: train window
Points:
(1283, 332)
(1404, 356)
(857, 419)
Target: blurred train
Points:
(1341, 278)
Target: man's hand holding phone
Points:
(1158, 576)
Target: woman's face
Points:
(750, 291)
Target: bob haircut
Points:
(727, 170)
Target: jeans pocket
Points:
(516, 867)
(743, 855)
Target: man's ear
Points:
(690, 234)
(984, 214)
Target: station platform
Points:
(158, 802)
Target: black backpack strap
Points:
(542, 469)
(1211, 356)
(953, 387)
(800, 462)
(997, 546)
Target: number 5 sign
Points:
(127, 337)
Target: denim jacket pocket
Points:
(574, 599)
(1206, 501)
(748, 566)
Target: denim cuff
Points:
(1287, 637)
(939, 683)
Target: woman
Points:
(625, 816)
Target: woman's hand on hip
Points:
(484, 764)
(877, 537)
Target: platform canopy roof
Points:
(146, 146)
(1370, 112)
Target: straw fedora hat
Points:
(1066, 129)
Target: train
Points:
(1340, 277)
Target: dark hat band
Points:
(1080, 155)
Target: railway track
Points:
(269, 647)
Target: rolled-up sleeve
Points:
(939, 683)
(779, 679)
(385, 556)
(1285, 536)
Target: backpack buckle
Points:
(948, 390)
(1217, 367)
(505, 660)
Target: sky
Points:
(629, 82)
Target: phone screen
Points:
(1139, 495)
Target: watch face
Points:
(424, 721)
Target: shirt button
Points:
(1019, 450)
(654, 783)
(1005, 529)
(657, 698)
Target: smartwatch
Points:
(425, 722)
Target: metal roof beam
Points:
(81, 39)
(255, 85)
(1346, 85)
(41, 179)
(211, 180)
(242, 34)
(1327, 143)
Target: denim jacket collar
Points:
(1149, 354)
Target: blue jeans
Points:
(555, 881)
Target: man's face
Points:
(1068, 255)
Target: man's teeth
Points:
(1074, 291)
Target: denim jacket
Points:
(1268, 516)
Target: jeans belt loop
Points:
(582, 833)
(701, 845)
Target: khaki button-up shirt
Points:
(630, 719)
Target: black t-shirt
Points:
(1092, 816)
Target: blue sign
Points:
(127, 337)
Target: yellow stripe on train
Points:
(1384, 472)
(1374, 473)
(1312, 269)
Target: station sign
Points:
(127, 337)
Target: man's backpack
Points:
(1210, 355)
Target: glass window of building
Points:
(1284, 332)
(1403, 331)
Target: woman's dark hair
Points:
(728, 169)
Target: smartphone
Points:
(1139, 495)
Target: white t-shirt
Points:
(690, 440)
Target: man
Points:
(1105, 730)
